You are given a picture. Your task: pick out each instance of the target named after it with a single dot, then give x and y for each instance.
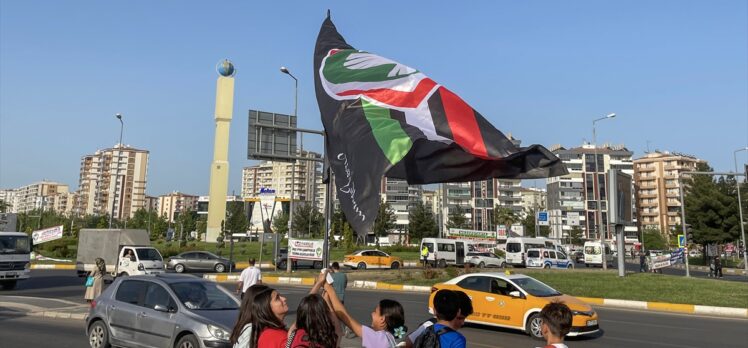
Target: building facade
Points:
(45, 195)
(401, 197)
(174, 203)
(8, 199)
(113, 181)
(657, 189)
(487, 194)
(533, 199)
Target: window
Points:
(131, 291)
(513, 247)
(430, 246)
(157, 295)
(552, 254)
(149, 254)
(561, 256)
(545, 254)
(446, 247)
(475, 283)
(533, 253)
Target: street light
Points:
(596, 183)
(740, 209)
(284, 70)
(119, 153)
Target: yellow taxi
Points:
(364, 259)
(514, 301)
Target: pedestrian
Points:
(269, 309)
(712, 271)
(314, 327)
(717, 266)
(340, 283)
(242, 332)
(250, 276)
(642, 262)
(95, 280)
(387, 321)
(556, 322)
(441, 326)
(425, 255)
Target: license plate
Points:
(591, 322)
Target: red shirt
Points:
(272, 338)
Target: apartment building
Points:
(401, 197)
(274, 175)
(657, 188)
(8, 198)
(487, 194)
(172, 204)
(113, 180)
(533, 199)
(42, 195)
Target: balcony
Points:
(648, 195)
(653, 204)
(646, 169)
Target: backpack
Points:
(430, 337)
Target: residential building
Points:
(174, 203)
(8, 197)
(572, 197)
(454, 196)
(487, 194)
(657, 188)
(431, 201)
(533, 199)
(151, 203)
(401, 197)
(113, 180)
(40, 195)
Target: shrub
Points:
(431, 273)
(452, 272)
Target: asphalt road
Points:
(620, 328)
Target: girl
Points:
(243, 328)
(387, 321)
(97, 273)
(314, 326)
(268, 310)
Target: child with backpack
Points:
(556, 318)
(451, 309)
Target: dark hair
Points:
(252, 261)
(465, 303)
(394, 315)
(335, 265)
(245, 313)
(558, 317)
(101, 265)
(446, 304)
(313, 316)
(262, 315)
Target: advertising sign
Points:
(307, 249)
(681, 241)
(46, 235)
(458, 233)
(661, 261)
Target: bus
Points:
(444, 251)
(516, 247)
(15, 258)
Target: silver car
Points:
(199, 261)
(165, 310)
(485, 259)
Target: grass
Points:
(590, 283)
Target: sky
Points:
(675, 73)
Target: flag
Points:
(383, 118)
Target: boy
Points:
(447, 304)
(556, 318)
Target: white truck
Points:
(125, 252)
(15, 258)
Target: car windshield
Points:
(14, 245)
(533, 253)
(513, 247)
(535, 288)
(148, 254)
(592, 250)
(203, 296)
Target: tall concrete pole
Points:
(219, 169)
(596, 183)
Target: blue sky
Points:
(675, 72)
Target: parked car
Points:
(514, 301)
(485, 259)
(578, 256)
(364, 259)
(283, 258)
(199, 261)
(547, 258)
(165, 310)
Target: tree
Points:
(506, 216)
(4, 206)
(236, 222)
(186, 223)
(349, 239)
(457, 219)
(709, 210)
(653, 239)
(576, 236)
(307, 221)
(421, 222)
(385, 221)
(280, 223)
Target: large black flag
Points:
(383, 118)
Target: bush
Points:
(63, 248)
(399, 248)
(452, 272)
(431, 273)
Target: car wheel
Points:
(395, 265)
(98, 335)
(188, 341)
(481, 264)
(534, 326)
(570, 265)
(442, 263)
(220, 268)
(547, 266)
(361, 265)
(317, 265)
(179, 268)
(282, 264)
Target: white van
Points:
(593, 254)
(516, 248)
(444, 251)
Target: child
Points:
(556, 318)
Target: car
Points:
(283, 257)
(199, 261)
(164, 310)
(485, 259)
(514, 301)
(547, 258)
(364, 259)
(578, 256)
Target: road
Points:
(620, 328)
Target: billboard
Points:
(46, 235)
(308, 249)
(271, 136)
(620, 194)
(459, 233)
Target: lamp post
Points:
(119, 153)
(284, 70)
(596, 183)
(740, 209)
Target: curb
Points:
(736, 271)
(729, 312)
(53, 266)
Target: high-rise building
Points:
(151, 203)
(8, 199)
(113, 179)
(276, 176)
(173, 204)
(572, 197)
(657, 188)
(487, 194)
(431, 201)
(455, 197)
(533, 199)
(401, 197)
(41, 195)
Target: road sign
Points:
(271, 136)
(543, 218)
(681, 241)
(572, 218)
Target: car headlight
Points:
(218, 333)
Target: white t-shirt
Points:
(249, 277)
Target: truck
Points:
(124, 251)
(15, 258)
